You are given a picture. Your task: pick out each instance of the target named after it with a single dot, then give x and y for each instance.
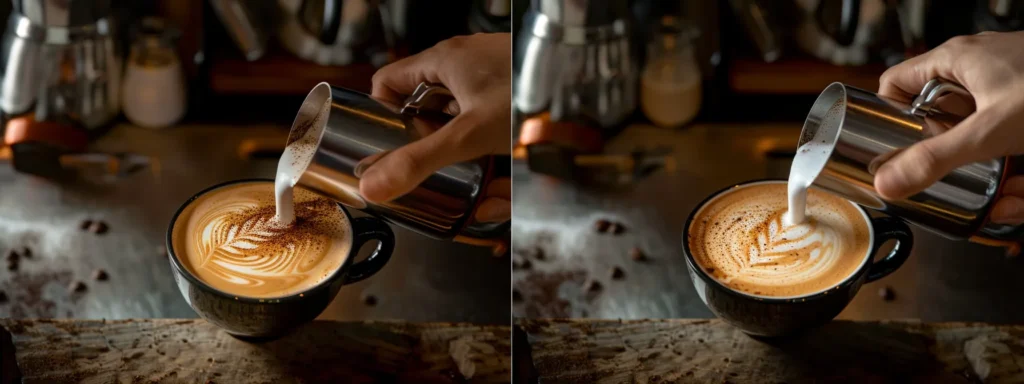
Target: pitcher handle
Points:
(924, 103)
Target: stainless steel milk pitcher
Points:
(360, 129)
(873, 129)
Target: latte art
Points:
(741, 240)
(230, 239)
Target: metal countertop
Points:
(943, 280)
(426, 279)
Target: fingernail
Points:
(363, 165)
(889, 182)
(370, 186)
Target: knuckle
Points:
(452, 44)
(404, 164)
(925, 159)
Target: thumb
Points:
(922, 164)
(400, 171)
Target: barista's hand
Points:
(478, 71)
(991, 67)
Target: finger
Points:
(397, 80)
(494, 210)
(905, 80)
(900, 81)
(401, 170)
(924, 163)
(500, 188)
(1008, 210)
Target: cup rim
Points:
(194, 280)
(844, 284)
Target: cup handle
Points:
(365, 229)
(890, 228)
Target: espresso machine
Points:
(61, 80)
(576, 69)
(574, 60)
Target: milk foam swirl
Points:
(740, 239)
(233, 243)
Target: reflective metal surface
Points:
(574, 60)
(62, 13)
(943, 280)
(872, 131)
(359, 130)
(244, 23)
(68, 74)
(585, 13)
(426, 279)
(335, 32)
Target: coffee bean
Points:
(592, 286)
(886, 293)
(26, 252)
(99, 275)
(637, 255)
(3, 297)
(12, 265)
(12, 256)
(85, 225)
(601, 226)
(617, 273)
(539, 254)
(99, 227)
(76, 286)
(370, 300)
(616, 228)
(521, 263)
(517, 297)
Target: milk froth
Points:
(741, 239)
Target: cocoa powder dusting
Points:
(25, 294)
(540, 292)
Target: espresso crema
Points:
(230, 240)
(739, 239)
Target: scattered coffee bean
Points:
(100, 275)
(592, 286)
(85, 225)
(516, 296)
(539, 254)
(76, 286)
(617, 273)
(601, 226)
(370, 300)
(3, 297)
(521, 263)
(637, 255)
(99, 227)
(886, 293)
(12, 256)
(26, 252)
(617, 228)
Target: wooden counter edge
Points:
(710, 350)
(193, 350)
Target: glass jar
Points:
(670, 85)
(154, 84)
